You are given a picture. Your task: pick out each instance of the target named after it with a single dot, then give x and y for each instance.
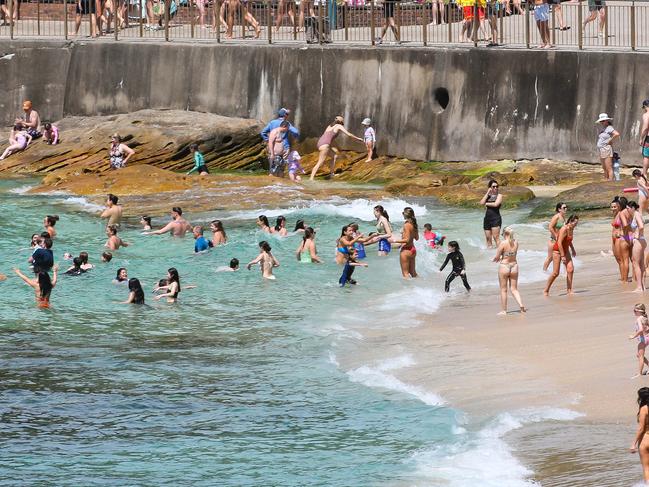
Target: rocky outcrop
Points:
(160, 138)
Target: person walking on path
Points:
(605, 139)
(326, 146)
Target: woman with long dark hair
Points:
(262, 223)
(492, 222)
(641, 440)
(48, 222)
(280, 226)
(384, 229)
(42, 285)
(172, 287)
(344, 243)
(557, 221)
(408, 253)
(306, 252)
(563, 252)
(136, 293)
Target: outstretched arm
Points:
(164, 229)
(27, 280)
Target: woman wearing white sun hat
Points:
(605, 138)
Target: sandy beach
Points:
(569, 352)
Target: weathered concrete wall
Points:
(502, 103)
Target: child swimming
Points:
(434, 240)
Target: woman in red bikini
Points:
(42, 285)
(563, 251)
(408, 252)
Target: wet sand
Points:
(568, 351)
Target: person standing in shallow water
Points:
(113, 211)
(508, 270)
(563, 252)
(178, 227)
(492, 222)
(640, 443)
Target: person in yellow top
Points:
(468, 13)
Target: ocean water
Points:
(240, 382)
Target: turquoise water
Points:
(238, 383)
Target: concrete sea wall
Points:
(432, 104)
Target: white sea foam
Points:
(21, 189)
(419, 299)
(377, 376)
(484, 459)
(83, 202)
(358, 209)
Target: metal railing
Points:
(590, 24)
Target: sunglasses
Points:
(495, 186)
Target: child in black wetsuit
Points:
(457, 261)
(348, 270)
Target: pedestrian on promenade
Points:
(388, 21)
(542, 18)
(596, 8)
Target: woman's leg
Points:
(513, 284)
(559, 14)
(404, 261)
(556, 268)
(591, 16)
(641, 357)
(602, 19)
(644, 459)
(495, 232)
(412, 260)
(10, 150)
(637, 259)
(324, 150)
(642, 202)
(546, 264)
(503, 277)
(333, 152)
(449, 280)
(488, 238)
(625, 254)
(570, 272)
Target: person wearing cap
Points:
(119, 153)
(644, 137)
(31, 121)
(326, 147)
(605, 138)
(282, 116)
(369, 137)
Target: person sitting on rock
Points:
(119, 153)
(19, 139)
(50, 133)
(31, 121)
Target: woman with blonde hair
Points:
(642, 335)
(508, 270)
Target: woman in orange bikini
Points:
(563, 251)
(42, 285)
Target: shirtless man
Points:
(178, 227)
(276, 150)
(644, 137)
(113, 211)
(31, 120)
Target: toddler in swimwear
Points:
(50, 133)
(369, 137)
(294, 166)
(348, 270)
(433, 239)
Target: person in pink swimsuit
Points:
(326, 147)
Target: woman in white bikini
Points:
(508, 270)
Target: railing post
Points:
(346, 21)
(243, 22)
(553, 40)
(11, 18)
(372, 23)
(476, 23)
(116, 8)
(501, 29)
(269, 17)
(527, 24)
(632, 18)
(424, 23)
(320, 20)
(167, 14)
(296, 18)
(448, 22)
(217, 12)
(605, 26)
(581, 27)
(191, 18)
(38, 16)
(65, 19)
(142, 15)
(398, 18)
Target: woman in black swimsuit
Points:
(492, 219)
(173, 286)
